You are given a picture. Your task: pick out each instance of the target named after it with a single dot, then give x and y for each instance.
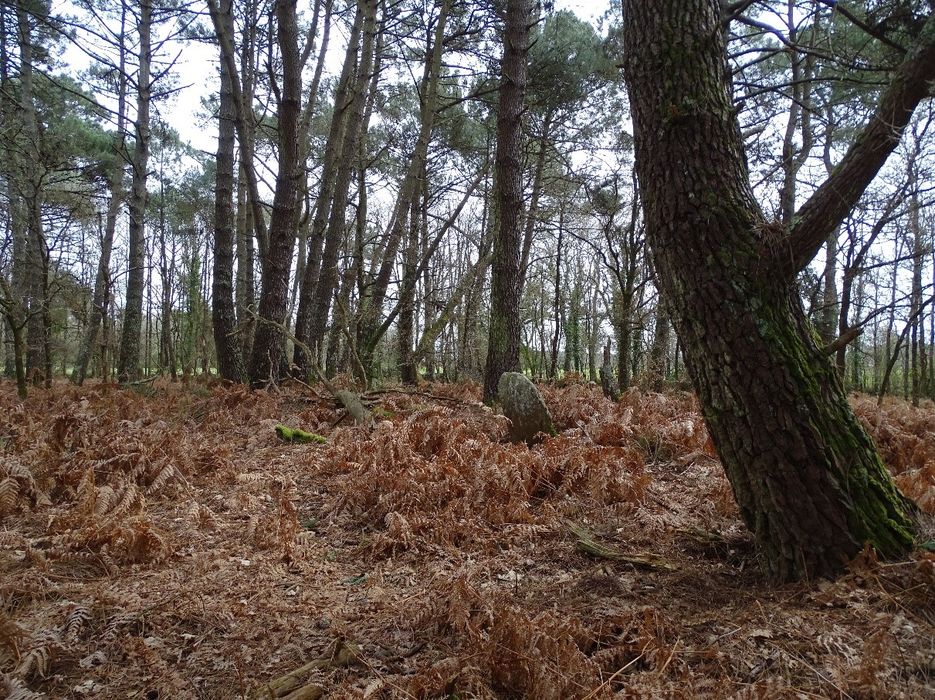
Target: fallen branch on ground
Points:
(589, 545)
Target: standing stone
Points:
(524, 406)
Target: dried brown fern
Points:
(15, 690)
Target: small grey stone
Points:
(523, 405)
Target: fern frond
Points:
(9, 495)
(161, 479)
(87, 494)
(15, 690)
(38, 658)
(104, 500)
(76, 620)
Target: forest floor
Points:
(165, 543)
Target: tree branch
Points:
(843, 340)
(830, 204)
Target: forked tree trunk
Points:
(807, 478)
(333, 157)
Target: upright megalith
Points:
(523, 405)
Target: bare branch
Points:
(828, 206)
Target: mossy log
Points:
(297, 435)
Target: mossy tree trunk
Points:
(807, 478)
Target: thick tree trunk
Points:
(807, 478)
(267, 356)
(506, 276)
(33, 276)
(223, 312)
(128, 367)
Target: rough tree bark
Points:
(807, 478)
(34, 267)
(266, 358)
(506, 276)
(223, 312)
(128, 366)
(246, 231)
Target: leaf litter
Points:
(172, 546)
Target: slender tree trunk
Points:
(807, 478)
(15, 306)
(246, 208)
(116, 182)
(608, 384)
(857, 363)
(333, 158)
(407, 302)
(831, 315)
(370, 328)
(917, 332)
(428, 283)
(800, 111)
(557, 305)
(659, 351)
(624, 330)
(223, 311)
(128, 368)
(468, 365)
(246, 259)
(328, 273)
(538, 184)
(10, 348)
(506, 277)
